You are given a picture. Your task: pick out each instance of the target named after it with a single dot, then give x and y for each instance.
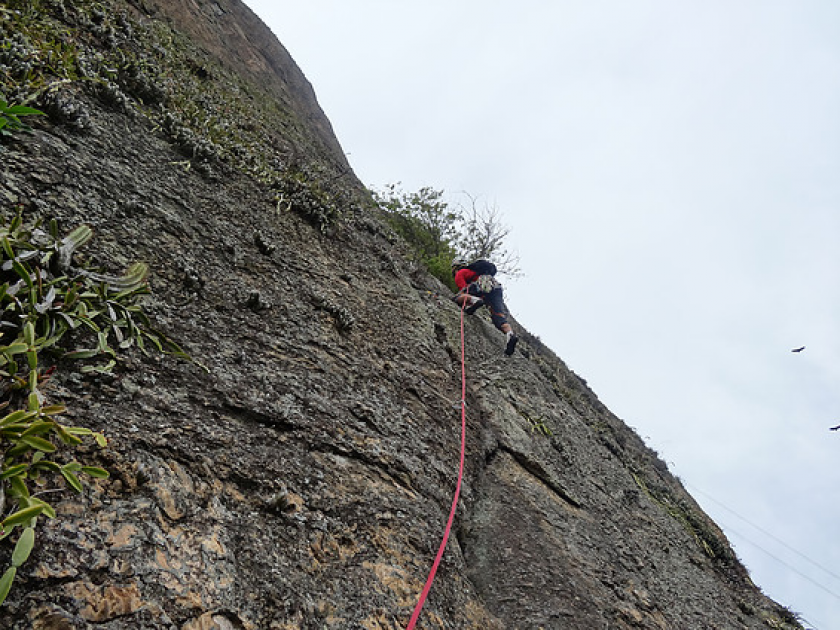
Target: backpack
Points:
(485, 270)
(482, 267)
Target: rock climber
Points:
(476, 288)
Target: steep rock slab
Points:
(303, 478)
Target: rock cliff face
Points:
(298, 473)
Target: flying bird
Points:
(798, 349)
(834, 428)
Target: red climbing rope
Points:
(443, 542)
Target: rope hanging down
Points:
(448, 529)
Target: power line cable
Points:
(773, 556)
(766, 533)
(780, 561)
(805, 621)
(785, 564)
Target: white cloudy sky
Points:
(671, 175)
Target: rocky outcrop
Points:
(238, 39)
(299, 472)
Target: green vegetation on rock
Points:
(438, 230)
(58, 51)
(49, 306)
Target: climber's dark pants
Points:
(495, 302)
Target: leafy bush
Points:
(440, 267)
(427, 223)
(438, 231)
(48, 304)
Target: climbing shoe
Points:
(472, 308)
(511, 343)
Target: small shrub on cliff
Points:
(48, 306)
(427, 223)
(438, 231)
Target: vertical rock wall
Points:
(299, 472)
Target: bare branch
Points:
(483, 235)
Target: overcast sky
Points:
(670, 172)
